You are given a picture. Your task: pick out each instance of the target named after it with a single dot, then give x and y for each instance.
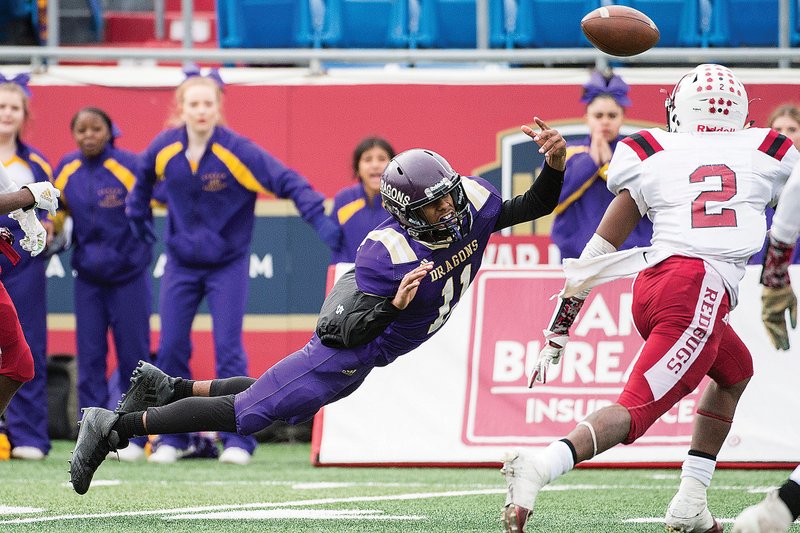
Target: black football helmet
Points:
(416, 178)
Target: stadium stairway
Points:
(133, 23)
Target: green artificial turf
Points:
(289, 494)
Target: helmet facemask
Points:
(445, 231)
(418, 178)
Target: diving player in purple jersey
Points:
(409, 274)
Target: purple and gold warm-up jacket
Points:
(93, 191)
(210, 215)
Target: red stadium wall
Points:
(314, 128)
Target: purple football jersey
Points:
(388, 254)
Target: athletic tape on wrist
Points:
(775, 269)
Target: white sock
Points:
(699, 468)
(559, 457)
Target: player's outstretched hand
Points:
(550, 142)
(554, 345)
(409, 285)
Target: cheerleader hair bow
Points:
(601, 85)
(190, 71)
(21, 80)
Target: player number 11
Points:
(447, 296)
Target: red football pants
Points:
(16, 361)
(680, 308)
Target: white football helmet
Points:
(709, 98)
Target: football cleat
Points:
(150, 387)
(95, 441)
(688, 511)
(525, 477)
(514, 518)
(771, 515)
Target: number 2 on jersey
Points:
(725, 218)
(447, 296)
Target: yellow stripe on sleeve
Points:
(120, 172)
(396, 244)
(348, 210)
(44, 164)
(164, 155)
(238, 169)
(63, 176)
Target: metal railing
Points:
(782, 56)
(37, 56)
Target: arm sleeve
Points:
(286, 182)
(537, 201)
(351, 318)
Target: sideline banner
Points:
(462, 398)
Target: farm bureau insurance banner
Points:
(462, 398)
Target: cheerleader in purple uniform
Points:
(584, 197)
(26, 417)
(358, 209)
(210, 178)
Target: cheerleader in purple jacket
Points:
(112, 285)
(584, 197)
(211, 177)
(26, 417)
(358, 209)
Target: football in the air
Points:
(620, 30)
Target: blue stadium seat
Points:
(552, 23)
(447, 24)
(366, 24)
(266, 24)
(503, 19)
(679, 21)
(794, 23)
(452, 24)
(746, 22)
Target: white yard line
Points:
(298, 503)
(297, 514)
(187, 511)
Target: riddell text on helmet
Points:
(703, 127)
(390, 192)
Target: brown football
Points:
(620, 30)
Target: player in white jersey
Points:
(705, 185)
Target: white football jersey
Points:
(786, 223)
(705, 192)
